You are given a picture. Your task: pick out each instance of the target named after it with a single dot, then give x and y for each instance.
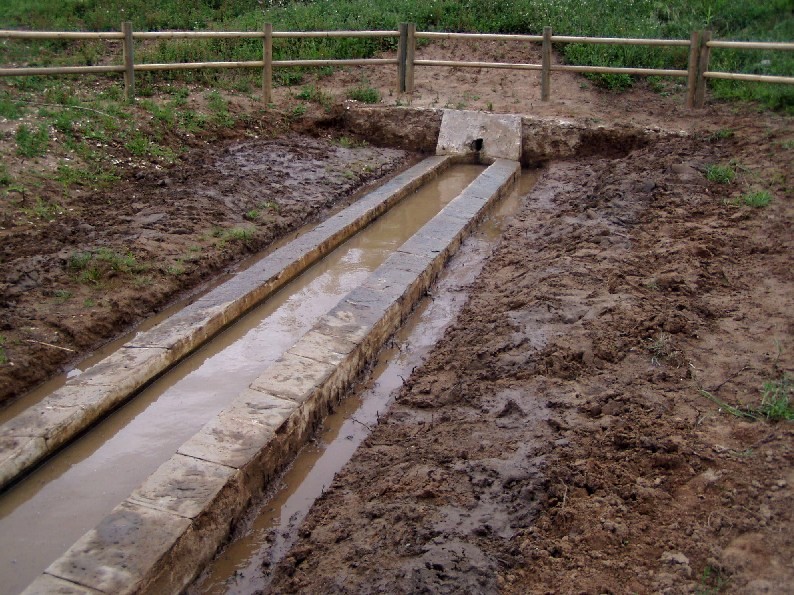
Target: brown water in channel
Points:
(44, 514)
(243, 567)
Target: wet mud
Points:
(558, 439)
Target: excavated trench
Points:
(80, 487)
(83, 483)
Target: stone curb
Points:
(35, 434)
(171, 526)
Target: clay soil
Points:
(559, 439)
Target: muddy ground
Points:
(559, 438)
(112, 257)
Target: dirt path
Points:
(557, 440)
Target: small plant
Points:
(220, 109)
(89, 303)
(242, 234)
(91, 276)
(312, 93)
(44, 210)
(124, 263)
(298, 111)
(721, 134)
(176, 269)
(758, 199)
(721, 174)
(712, 581)
(32, 143)
(776, 399)
(78, 261)
(271, 205)
(5, 177)
(364, 94)
(489, 107)
(787, 144)
(62, 295)
(3, 356)
(252, 215)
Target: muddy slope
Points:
(557, 440)
(110, 258)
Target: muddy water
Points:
(243, 567)
(43, 515)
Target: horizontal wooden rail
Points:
(752, 45)
(620, 41)
(197, 65)
(13, 34)
(757, 78)
(454, 64)
(42, 71)
(477, 36)
(617, 70)
(351, 62)
(303, 34)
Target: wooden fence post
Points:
(545, 77)
(703, 66)
(267, 66)
(692, 70)
(402, 55)
(410, 56)
(129, 61)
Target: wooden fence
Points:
(700, 45)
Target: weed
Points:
(776, 399)
(271, 205)
(489, 107)
(142, 281)
(288, 78)
(727, 407)
(44, 210)
(220, 109)
(364, 94)
(32, 143)
(176, 269)
(312, 93)
(252, 215)
(348, 142)
(712, 581)
(89, 303)
(62, 295)
(721, 134)
(90, 275)
(787, 144)
(124, 263)
(13, 110)
(758, 199)
(662, 349)
(298, 111)
(138, 145)
(3, 356)
(241, 234)
(721, 174)
(68, 175)
(5, 177)
(78, 261)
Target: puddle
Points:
(46, 513)
(243, 567)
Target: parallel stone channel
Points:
(243, 567)
(44, 514)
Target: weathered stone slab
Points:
(122, 551)
(293, 377)
(51, 585)
(238, 434)
(183, 485)
(323, 347)
(496, 136)
(19, 453)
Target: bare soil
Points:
(559, 438)
(109, 258)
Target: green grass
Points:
(3, 356)
(32, 142)
(771, 20)
(776, 399)
(721, 174)
(365, 94)
(758, 199)
(775, 403)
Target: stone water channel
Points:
(41, 516)
(243, 567)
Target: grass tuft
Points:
(721, 174)
(758, 199)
